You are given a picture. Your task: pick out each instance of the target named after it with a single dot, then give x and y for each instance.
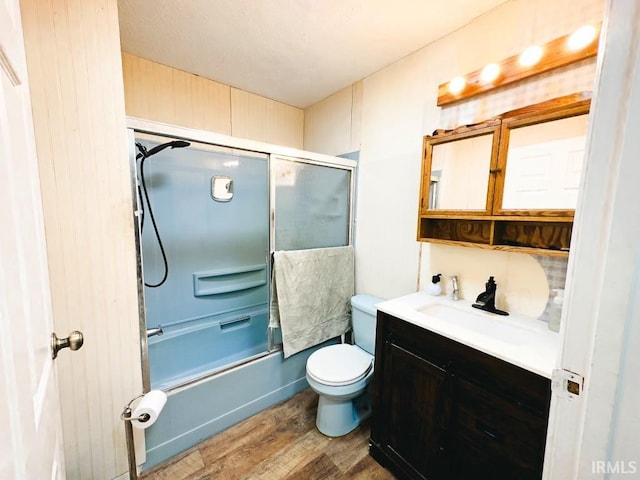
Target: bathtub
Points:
(197, 411)
(203, 346)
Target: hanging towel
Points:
(311, 293)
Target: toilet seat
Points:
(339, 365)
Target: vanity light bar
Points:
(530, 56)
(581, 37)
(490, 72)
(457, 84)
(536, 59)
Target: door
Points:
(30, 438)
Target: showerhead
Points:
(173, 144)
(144, 153)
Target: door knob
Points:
(74, 341)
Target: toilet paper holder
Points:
(128, 418)
(127, 412)
(128, 431)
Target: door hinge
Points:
(566, 384)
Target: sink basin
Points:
(447, 312)
(493, 327)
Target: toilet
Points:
(340, 374)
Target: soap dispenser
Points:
(434, 287)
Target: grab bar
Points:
(154, 331)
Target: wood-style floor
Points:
(281, 442)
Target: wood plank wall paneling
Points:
(77, 94)
(157, 92)
(259, 118)
(330, 137)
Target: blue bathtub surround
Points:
(204, 345)
(213, 307)
(312, 290)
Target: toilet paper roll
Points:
(146, 412)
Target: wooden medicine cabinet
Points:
(510, 183)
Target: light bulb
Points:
(531, 56)
(581, 37)
(490, 72)
(457, 84)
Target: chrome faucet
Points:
(454, 286)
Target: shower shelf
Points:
(227, 280)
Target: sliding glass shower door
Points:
(211, 209)
(312, 204)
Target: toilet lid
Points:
(338, 365)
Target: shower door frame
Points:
(216, 139)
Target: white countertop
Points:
(522, 341)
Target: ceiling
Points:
(293, 51)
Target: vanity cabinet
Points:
(443, 410)
(509, 183)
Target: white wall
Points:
(399, 107)
(341, 134)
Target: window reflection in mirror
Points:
(544, 162)
(460, 174)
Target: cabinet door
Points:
(494, 435)
(414, 411)
(458, 171)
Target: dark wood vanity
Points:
(443, 410)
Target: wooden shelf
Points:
(515, 216)
(535, 236)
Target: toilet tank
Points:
(363, 319)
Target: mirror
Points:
(543, 164)
(523, 163)
(459, 172)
